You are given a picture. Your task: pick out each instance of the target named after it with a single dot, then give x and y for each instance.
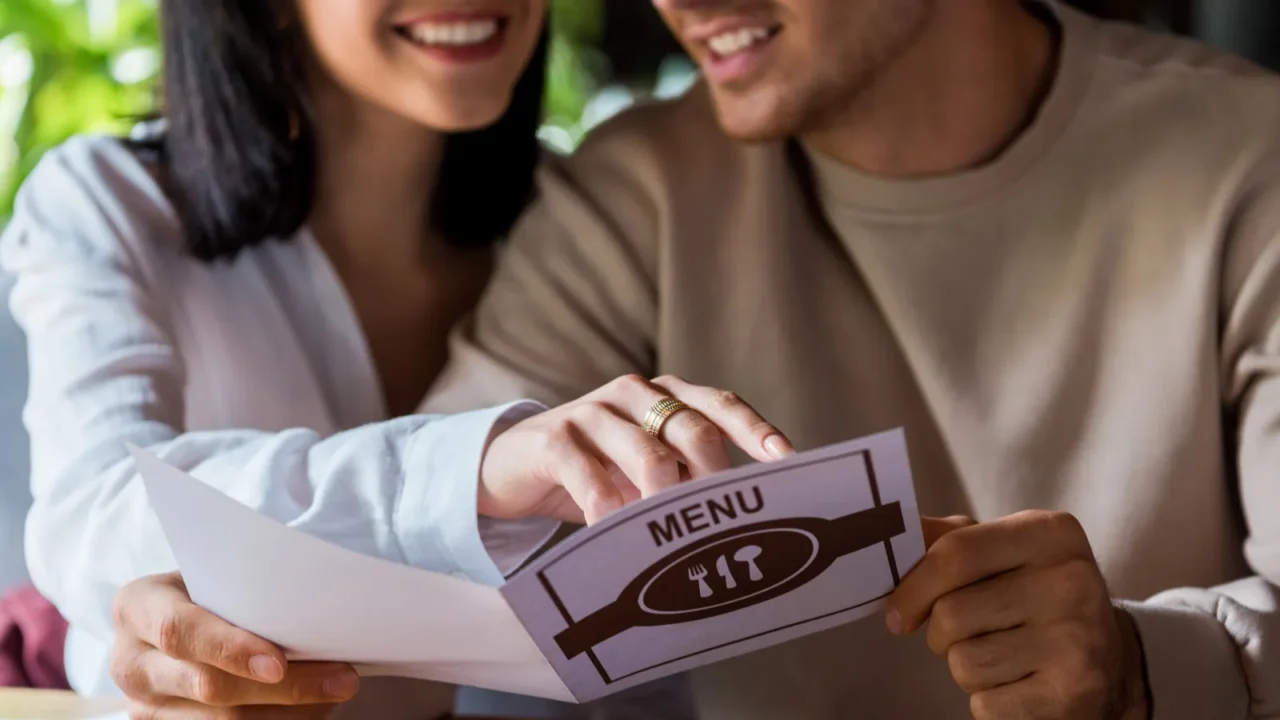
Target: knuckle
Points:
(559, 437)
(666, 380)
(303, 693)
(1082, 574)
(1080, 657)
(1077, 582)
(725, 400)
(1064, 527)
(1066, 524)
(630, 383)
(969, 662)
(1078, 686)
(205, 687)
(654, 458)
(702, 432)
(299, 694)
(120, 606)
(945, 620)
(760, 428)
(122, 668)
(951, 556)
(143, 711)
(985, 705)
(169, 632)
(961, 671)
(588, 411)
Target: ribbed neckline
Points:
(848, 189)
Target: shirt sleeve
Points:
(1215, 652)
(572, 306)
(105, 372)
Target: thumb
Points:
(935, 528)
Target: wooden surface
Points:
(54, 705)
(19, 704)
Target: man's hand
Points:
(1019, 609)
(175, 660)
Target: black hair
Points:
(237, 155)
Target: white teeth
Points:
(455, 34)
(736, 41)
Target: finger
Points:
(303, 684)
(969, 554)
(300, 712)
(989, 661)
(698, 441)
(128, 667)
(586, 480)
(935, 528)
(694, 438)
(1029, 698)
(998, 603)
(159, 612)
(737, 420)
(646, 462)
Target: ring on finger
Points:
(659, 413)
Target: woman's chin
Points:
(462, 115)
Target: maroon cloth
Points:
(32, 639)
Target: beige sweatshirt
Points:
(1091, 323)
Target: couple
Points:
(1044, 245)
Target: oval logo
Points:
(730, 571)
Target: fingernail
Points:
(266, 668)
(342, 686)
(778, 447)
(894, 621)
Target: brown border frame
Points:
(872, 481)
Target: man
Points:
(1045, 246)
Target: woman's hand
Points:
(587, 458)
(175, 660)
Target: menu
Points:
(715, 568)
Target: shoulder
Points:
(92, 199)
(636, 173)
(1188, 86)
(656, 147)
(1172, 113)
(1159, 54)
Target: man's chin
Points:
(751, 122)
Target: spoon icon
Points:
(748, 554)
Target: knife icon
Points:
(722, 567)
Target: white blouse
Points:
(252, 374)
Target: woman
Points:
(260, 292)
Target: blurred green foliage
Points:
(67, 68)
(76, 66)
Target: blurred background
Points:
(75, 66)
(91, 66)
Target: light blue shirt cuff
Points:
(438, 525)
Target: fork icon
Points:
(698, 574)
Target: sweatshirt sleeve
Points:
(1215, 652)
(106, 372)
(573, 304)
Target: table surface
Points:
(21, 704)
(55, 705)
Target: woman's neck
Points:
(377, 176)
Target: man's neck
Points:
(377, 175)
(957, 97)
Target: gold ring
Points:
(660, 413)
